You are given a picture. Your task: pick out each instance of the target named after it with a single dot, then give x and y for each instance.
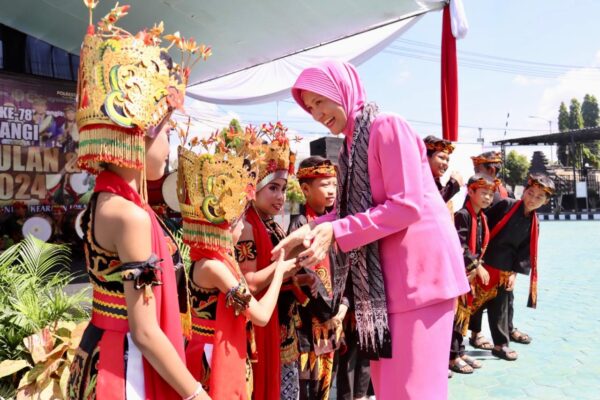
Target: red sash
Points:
(111, 371)
(323, 265)
(267, 370)
(228, 364)
(533, 249)
(486, 232)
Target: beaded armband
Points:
(239, 298)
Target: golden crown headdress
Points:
(127, 85)
(214, 188)
(277, 160)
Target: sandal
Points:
(473, 363)
(450, 373)
(505, 353)
(481, 342)
(519, 337)
(460, 367)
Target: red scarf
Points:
(324, 265)
(111, 373)
(267, 370)
(533, 249)
(486, 232)
(228, 364)
(502, 191)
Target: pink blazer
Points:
(420, 251)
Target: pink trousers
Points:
(418, 369)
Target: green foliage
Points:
(294, 192)
(575, 118)
(562, 152)
(184, 249)
(33, 279)
(590, 112)
(563, 117)
(516, 168)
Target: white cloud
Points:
(575, 83)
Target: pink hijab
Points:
(339, 82)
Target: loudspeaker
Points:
(328, 147)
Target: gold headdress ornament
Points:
(214, 188)
(323, 170)
(547, 187)
(436, 144)
(127, 86)
(492, 157)
(277, 160)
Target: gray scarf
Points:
(354, 196)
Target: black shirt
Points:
(462, 223)
(448, 191)
(509, 249)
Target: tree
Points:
(516, 167)
(591, 119)
(575, 118)
(590, 112)
(538, 163)
(562, 152)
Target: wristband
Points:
(198, 390)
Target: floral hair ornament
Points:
(127, 86)
(277, 159)
(214, 188)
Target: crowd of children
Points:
(499, 237)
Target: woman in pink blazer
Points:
(398, 246)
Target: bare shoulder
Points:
(247, 232)
(121, 213)
(123, 227)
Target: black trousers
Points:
(498, 317)
(354, 372)
(457, 346)
(511, 311)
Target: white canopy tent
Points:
(259, 46)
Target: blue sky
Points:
(543, 31)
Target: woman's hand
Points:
(292, 241)
(317, 244)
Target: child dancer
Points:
(322, 317)
(213, 191)
(512, 249)
(473, 232)
(438, 155)
(276, 371)
(133, 347)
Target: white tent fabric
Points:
(272, 81)
(242, 33)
